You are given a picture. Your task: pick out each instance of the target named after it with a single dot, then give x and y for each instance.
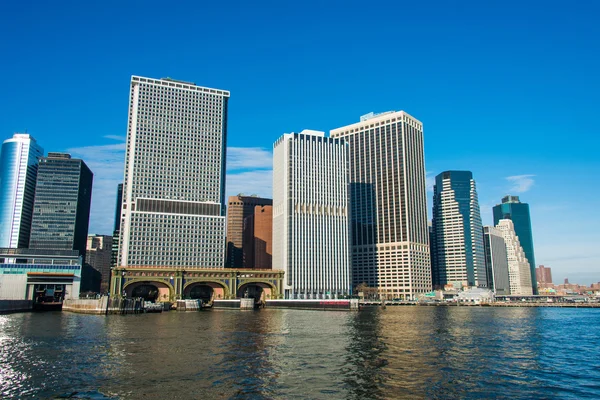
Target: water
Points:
(396, 353)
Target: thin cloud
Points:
(429, 181)
(116, 137)
(242, 158)
(520, 183)
(258, 182)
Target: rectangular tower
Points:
(310, 215)
(390, 244)
(98, 256)
(173, 211)
(258, 238)
(238, 209)
(61, 210)
(18, 172)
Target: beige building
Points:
(390, 238)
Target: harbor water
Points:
(393, 353)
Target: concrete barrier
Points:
(11, 306)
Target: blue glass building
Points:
(18, 171)
(456, 232)
(512, 208)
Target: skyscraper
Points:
(390, 244)
(496, 260)
(512, 208)
(518, 267)
(310, 215)
(61, 210)
(173, 211)
(18, 172)
(238, 209)
(457, 232)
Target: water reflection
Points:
(405, 352)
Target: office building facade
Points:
(457, 232)
(518, 267)
(311, 239)
(117, 229)
(98, 256)
(543, 275)
(496, 260)
(258, 239)
(512, 208)
(18, 173)
(390, 243)
(239, 208)
(61, 209)
(173, 211)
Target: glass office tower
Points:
(61, 210)
(512, 208)
(18, 172)
(457, 232)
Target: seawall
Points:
(12, 306)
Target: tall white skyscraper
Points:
(173, 211)
(18, 171)
(310, 215)
(519, 274)
(390, 239)
(457, 239)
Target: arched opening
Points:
(148, 290)
(257, 291)
(205, 291)
(202, 292)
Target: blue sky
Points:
(504, 89)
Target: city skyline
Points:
(500, 73)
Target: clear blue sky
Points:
(505, 89)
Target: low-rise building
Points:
(44, 276)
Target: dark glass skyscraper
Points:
(61, 209)
(512, 208)
(457, 232)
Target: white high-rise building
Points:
(173, 211)
(18, 171)
(310, 215)
(457, 239)
(519, 274)
(390, 238)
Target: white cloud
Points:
(240, 158)
(249, 173)
(258, 182)
(520, 183)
